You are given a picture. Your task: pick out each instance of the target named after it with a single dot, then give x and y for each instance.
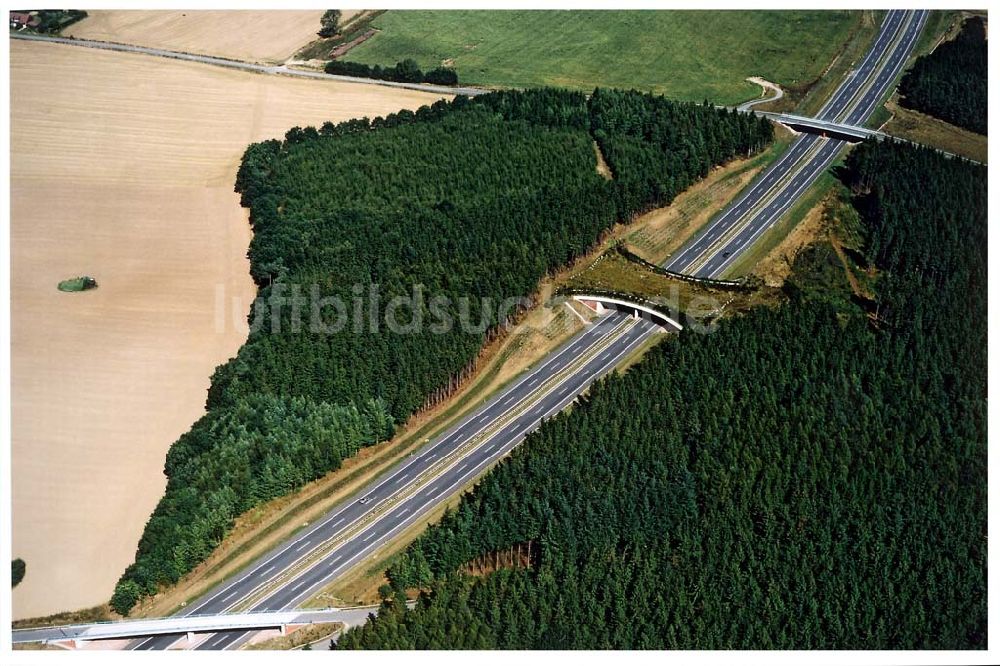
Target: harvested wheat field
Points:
(259, 36)
(122, 168)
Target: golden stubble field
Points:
(265, 36)
(122, 167)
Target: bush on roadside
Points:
(405, 71)
(17, 568)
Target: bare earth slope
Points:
(122, 167)
(243, 35)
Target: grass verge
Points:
(319, 49)
(100, 613)
(299, 638)
(930, 131)
(809, 101)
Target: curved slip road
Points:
(297, 569)
(776, 93)
(717, 246)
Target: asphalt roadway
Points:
(246, 66)
(350, 533)
(714, 249)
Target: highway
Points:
(352, 532)
(716, 247)
(297, 569)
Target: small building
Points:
(20, 20)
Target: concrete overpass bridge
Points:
(603, 302)
(76, 636)
(828, 128)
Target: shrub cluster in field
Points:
(78, 284)
(405, 71)
(472, 199)
(17, 569)
(800, 479)
(951, 82)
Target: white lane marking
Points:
(705, 266)
(436, 486)
(675, 263)
(610, 336)
(230, 595)
(303, 546)
(822, 162)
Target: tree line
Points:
(804, 478)
(951, 82)
(405, 71)
(231, 460)
(473, 201)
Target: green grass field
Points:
(691, 55)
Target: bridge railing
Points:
(177, 624)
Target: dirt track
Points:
(122, 167)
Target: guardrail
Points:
(739, 285)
